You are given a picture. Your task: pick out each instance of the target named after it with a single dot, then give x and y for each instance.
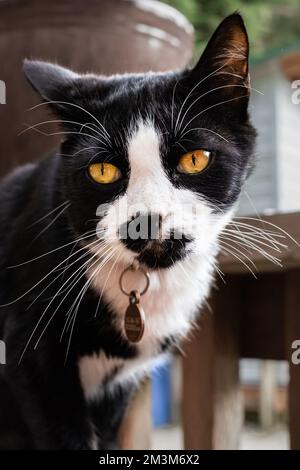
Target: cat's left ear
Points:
(224, 63)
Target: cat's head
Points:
(155, 162)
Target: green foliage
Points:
(270, 23)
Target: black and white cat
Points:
(171, 147)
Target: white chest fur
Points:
(170, 304)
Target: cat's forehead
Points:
(144, 146)
(138, 93)
(132, 100)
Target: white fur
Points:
(175, 294)
(94, 369)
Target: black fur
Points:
(45, 392)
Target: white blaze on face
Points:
(149, 185)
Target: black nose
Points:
(142, 234)
(142, 228)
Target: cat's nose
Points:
(142, 228)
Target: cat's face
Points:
(154, 163)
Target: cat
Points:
(169, 151)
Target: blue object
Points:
(161, 395)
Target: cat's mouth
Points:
(156, 254)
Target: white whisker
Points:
(207, 93)
(76, 106)
(72, 328)
(47, 215)
(204, 129)
(109, 273)
(213, 106)
(51, 222)
(232, 251)
(86, 253)
(71, 287)
(56, 121)
(92, 233)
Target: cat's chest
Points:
(100, 369)
(116, 366)
(169, 305)
(123, 362)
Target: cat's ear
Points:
(224, 62)
(57, 86)
(48, 79)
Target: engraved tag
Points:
(134, 322)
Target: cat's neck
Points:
(171, 302)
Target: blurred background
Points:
(271, 24)
(236, 382)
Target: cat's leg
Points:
(52, 406)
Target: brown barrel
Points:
(103, 36)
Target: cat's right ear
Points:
(61, 88)
(48, 79)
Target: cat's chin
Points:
(159, 254)
(152, 260)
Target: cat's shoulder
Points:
(17, 176)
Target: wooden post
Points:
(212, 406)
(266, 395)
(198, 386)
(228, 413)
(135, 432)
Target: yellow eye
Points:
(194, 162)
(104, 173)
